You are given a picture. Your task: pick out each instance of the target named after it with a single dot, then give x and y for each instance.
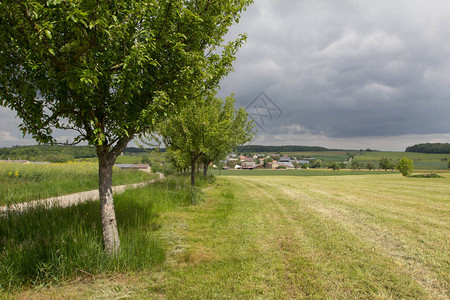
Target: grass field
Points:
(289, 237)
(308, 173)
(27, 182)
(422, 161)
(43, 246)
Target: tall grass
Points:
(28, 182)
(42, 246)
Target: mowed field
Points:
(288, 237)
(422, 161)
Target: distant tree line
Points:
(439, 148)
(264, 149)
(55, 153)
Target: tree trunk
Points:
(205, 169)
(108, 215)
(192, 172)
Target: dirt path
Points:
(73, 199)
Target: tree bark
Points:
(205, 169)
(108, 215)
(192, 172)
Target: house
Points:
(288, 165)
(285, 159)
(272, 165)
(248, 165)
(140, 167)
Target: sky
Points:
(347, 74)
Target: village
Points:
(272, 162)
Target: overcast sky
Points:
(339, 74)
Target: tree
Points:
(392, 166)
(267, 160)
(356, 165)
(206, 130)
(405, 166)
(384, 164)
(317, 163)
(334, 166)
(227, 129)
(370, 166)
(109, 70)
(449, 163)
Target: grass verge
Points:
(28, 182)
(43, 246)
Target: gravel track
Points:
(72, 199)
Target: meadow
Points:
(280, 237)
(296, 172)
(422, 161)
(28, 182)
(44, 246)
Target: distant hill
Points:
(289, 148)
(55, 153)
(439, 148)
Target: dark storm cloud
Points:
(344, 69)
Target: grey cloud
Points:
(349, 68)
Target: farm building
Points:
(140, 167)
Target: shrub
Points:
(406, 166)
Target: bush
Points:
(406, 166)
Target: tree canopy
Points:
(440, 148)
(205, 130)
(405, 166)
(108, 70)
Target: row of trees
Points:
(204, 131)
(51, 153)
(110, 70)
(405, 165)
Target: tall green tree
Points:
(108, 70)
(227, 129)
(204, 131)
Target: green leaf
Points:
(48, 34)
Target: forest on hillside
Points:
(438, 148)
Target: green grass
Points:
(345, 237)
(310, 172)
(327, 156)
(27, 182)
(288, 237)
(422, 161)
(44, 246)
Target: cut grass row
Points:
(28, 182)
(306, 173)
(342, 237)
(286, 237)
